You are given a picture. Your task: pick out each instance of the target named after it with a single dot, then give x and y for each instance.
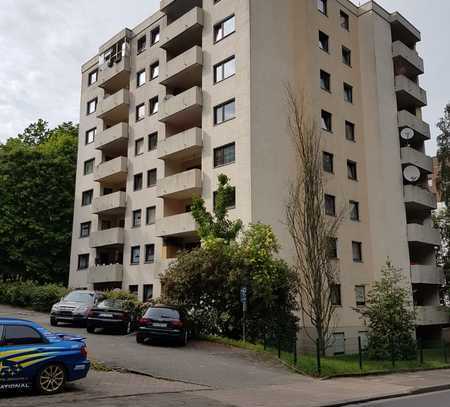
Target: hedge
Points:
(30, 295)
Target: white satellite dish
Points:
(411, 173)
(407, 134)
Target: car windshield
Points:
(80, 296)
(162, 313)
(115, 304)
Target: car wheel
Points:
(51, 379)
(140, 338)
(91, 329)
(127, 328)
(185, 338)
(53, 321)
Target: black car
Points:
(111, 314)
(164, 322)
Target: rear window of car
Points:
(115, 304)
(162, 313)
(80, 296)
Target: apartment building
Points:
(198, 89)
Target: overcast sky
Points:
(45, 42)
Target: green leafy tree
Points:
(390, 317)
(37, 178)
(443, 155)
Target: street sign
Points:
(244, 295)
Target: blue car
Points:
(33, 358)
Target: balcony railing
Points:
(181, 186)
(417, 198)
(186, 144)
(423, 235)
(110, 204)
(176, 226)
(407, 59)
(109, 273)
(409, 93)
(427, 274)
(432, 315)
(113, 171)
(115, 75)
(183, 110)
(184, 71)
(421, 129)
(113, 139)
(114, 108)
(421, 160)
(107, 237)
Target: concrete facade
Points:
(273, 43)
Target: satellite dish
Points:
(407, 134)
(411, 173)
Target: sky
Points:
(45, 42)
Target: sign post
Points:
(243, 295)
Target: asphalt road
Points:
(438, 399)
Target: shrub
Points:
(131, 303)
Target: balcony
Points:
(110, 204)
(107, 237)
(114, 108)
(184, 71)
(113, 171)
(424, 235)
(432, 315)
(402, 30)
(427, 274)
(181, 186)
(412, 156)
(183, 33)
(182, 145)
(109, 273)
(406, 60)
(113, 140)
(421, 129)
(176, 226)
(417, 198)
(115, 76)
(183, 110)
(409, 94)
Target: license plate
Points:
(159, 325)
(106, 315)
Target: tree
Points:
(443, 156)
(37, 178)
(390, 317)
(311, 230)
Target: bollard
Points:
(360, 353)
(319, 369)
(295, 351)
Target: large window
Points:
(324, 42)
(149, 253)
(147, 293)
(140, 78)
(350, 131)
(155, 36)
(224, 155)
(85, 229)
(137, 217)
(150, 215)
(152, 141)
(86, 197)
(154, 105)
(357, 252)
(335, 294)
(322, 6)
(346, 56)
(231, 199)
(354, 210)
(137, 182)
(135, 255)
(330, 205)
(224, 112)
(328, 162)
(348, 93)
(83, 261)
(93, 77)
(332, 248)
(326, 121)
(224, 28)
(352, 171)
(360, 295)
(90, 136)
(224, 69)
(151, 177)
(88, 166)
(154, 70)
(139, 147)
(141, 43)
(345, 21)
(91, 106)
(325, 81)
(140, 112)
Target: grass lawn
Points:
(345, 364)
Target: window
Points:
(354, 210)
(328, 162)
(360, 295)
(154, 70)
(351, 170)
(224, 155)
(92, 106)
(325, 81)
(16, 335)
(326, 121)
(141, 43)
(345, 21)
(349, 131)
(85, 229)
(140, 78)
(332, 248)
(137, 182)
(335, 294)
(90, 136)
(86, 197)
(339, 343)
(147, 292)
(150, 215)
(154, 105)
(137, 216)
(348, 93)
(133, 289)
(139, 147)
(324, 42)
(135, 255)
(357, 252)
(93, 77)
(149, 253)
(154, 36)
(224, 69)
(224, 112)
(224, 28)
(89, 166)
(152, 141)
(322, 6)
(346, 56)
(140, 112)
(83, 261)
(330, 205)
(151, 178)
(232, 199)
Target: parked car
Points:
(164, 322)
(111, 314)
(32, 357)
(74, 307)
